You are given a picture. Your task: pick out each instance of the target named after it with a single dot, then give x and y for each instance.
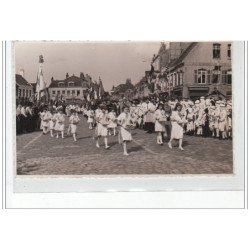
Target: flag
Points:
(95, 95)
(40, 83)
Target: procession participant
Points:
(200, 121)
(73, 121)
(18, 120)
(59, 126)
(190, 121)
(67, 110)
(44, 121)
(149, 117)
(212, 120)
(91, 115)
(102, 129)
(229, 120)
(177, 126)
(126, 123)
(24, 119)
(205, 125)
(202, 102)
(52, 122)
(112, 121)
(29, 119)
(160, 122)
(168, 112)
(217, 115)
(223, 120)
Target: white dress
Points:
(177, 129)
(90, 115)
(223, 120)
(125, 120)
(51, 122)
(160, 121)
(45, 119)
(73, 120)
(102, 124)
(111, 118)
(60, 122)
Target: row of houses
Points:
(187, 70)
(71, 89)
(193, 69)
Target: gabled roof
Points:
(21, 81)
(183, 55)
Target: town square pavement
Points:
(39, 154)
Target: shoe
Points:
(126, 154)
(169, 145)
(181, 148)
(107, 147)
(97, 145)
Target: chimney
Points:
(22, 72)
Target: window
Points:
(23, 92)
(216, 76)
(58, 92)
(19, 93)
(27, 92)
(78, 92)
(181, 78)
(30, 92)
(208, 76)
(229, 51)
(229, 77)
(53, 92)
(200, 76)
(68, 92)
(73, 92)
(216, 50)
(63, 92)
(224, 76)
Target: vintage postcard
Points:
(126, 109)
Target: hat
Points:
(202, 97)
(197, 102)
(212, 107)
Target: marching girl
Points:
(73, 121)
(59, 126)
(102, 127)
(126, 122)
(190, 121)
(91, 115)
(217, 115)
(177, 126)
(160, 123)
(112, 122)
(52, 120)
(45, 121)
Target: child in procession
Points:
(177, 126)
(73, 121)
(126, 123)
(160, 122)
(102, 127)
(59, 126)
(45, 121)
(112, 122)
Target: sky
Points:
(114, 62)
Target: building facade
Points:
(24, 90)
(75, 89)
(198, 69)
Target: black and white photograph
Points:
(123, 108)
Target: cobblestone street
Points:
(39, 154)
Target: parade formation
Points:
(170, 120)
